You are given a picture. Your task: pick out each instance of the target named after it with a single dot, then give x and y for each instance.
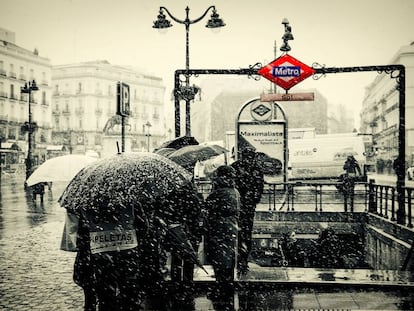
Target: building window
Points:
(80, 124)
(57, 125)
(31, 74)
(12, 91)
(44, 81)
(44, 98)
(12, 74)
(12, 133)
(79, 87)
(21, 73)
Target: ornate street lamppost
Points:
(148, 125)
(30, 127)
(186, 92)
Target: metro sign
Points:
(286, 71)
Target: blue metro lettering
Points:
(286, 71)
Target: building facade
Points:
(380, 112)
(84, 107)
(17, 67)
(212, 118)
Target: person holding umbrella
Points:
(222, 206)
(249, 182)
(125, 206)
(107, 262)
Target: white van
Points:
(323, 156)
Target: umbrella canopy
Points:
(164, 151)
(179, 142)
(141, 177)
(151, 180)
(189, 155)
(62, 168)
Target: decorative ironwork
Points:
(319, 75)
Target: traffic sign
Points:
(286, 71)
(287, 97)
(122, 107)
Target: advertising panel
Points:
(268, 139)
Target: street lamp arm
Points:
(187, 21)
(202, 16)
(172, 16)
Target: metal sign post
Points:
(122, 108)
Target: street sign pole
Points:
(122, 108)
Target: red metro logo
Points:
(286, 71)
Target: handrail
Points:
(319, 196)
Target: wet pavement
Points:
(36, 275)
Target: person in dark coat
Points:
(222, 206)
(249, 182)
(108, 261)
(38, 189)
(187, 211)
(352, 171)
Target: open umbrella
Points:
(164, 151)
(179, 142)
(138, 176)
(62, 168)
(149, 179)
(189, 155)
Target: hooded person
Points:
(222, 206)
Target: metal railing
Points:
(330, 196)
(382, 201)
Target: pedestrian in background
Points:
(352, 171)
(249, 182)
(222, 206)
(38, 190)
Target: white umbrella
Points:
(62, 168)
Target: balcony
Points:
(66, 112)
(4, 95)
(45, 103)
(3, 73)
(44, 82)
(12, 75)
(22, 77)
(56, 112)
(98, 111)
(13, 97)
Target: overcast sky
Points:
(336, 33)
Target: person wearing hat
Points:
(222, 207)
(249, 182)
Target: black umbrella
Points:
(147, 178)
(124, 178)
(179, 142)
(179, 240)
(189, 155)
